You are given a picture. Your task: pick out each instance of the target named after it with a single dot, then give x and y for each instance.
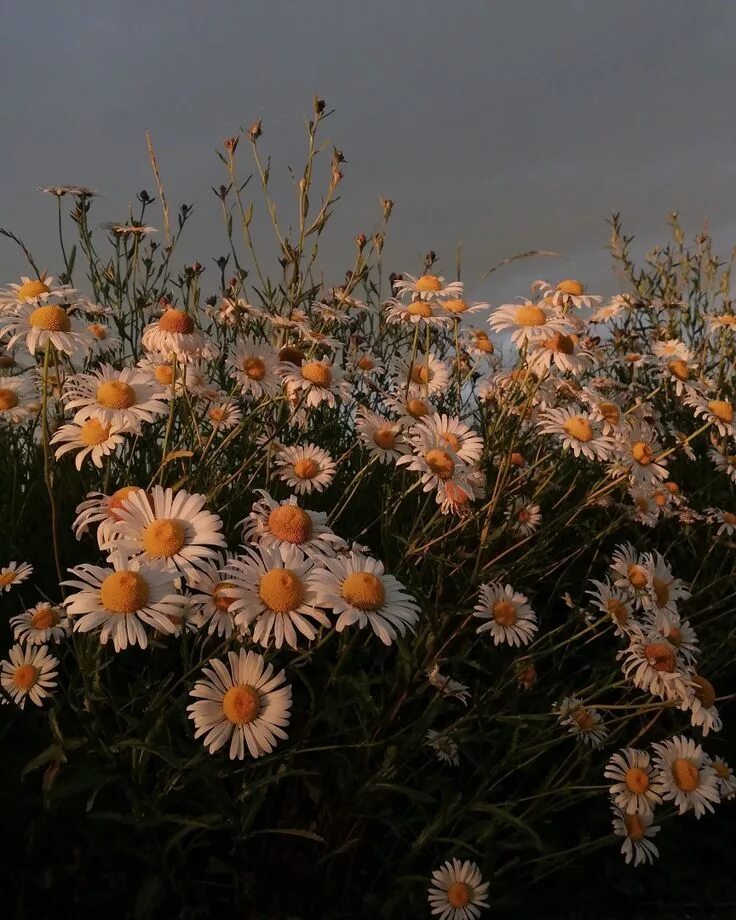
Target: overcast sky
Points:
(505, 124)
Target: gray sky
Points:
(506, 124)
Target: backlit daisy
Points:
(441, 430)
(719, 412)
(424, 376)
(253, 366)
(428, 287)
(636, 829)
(366, 364)
(358, 591)
(567, 293)
(276, 592)
(679, 633)
(458, 307)
(632, 774)
(44, 622)
(102, 338)
(118, 599)
(722, 321)
(241, 702)
(417, 312)
(91, 438)
(36, 291)
(100, 509)
(636, 453)
(13, 574)
(315, 382)
(174, 334)
(578, 431)
(724, 461)
(173, 528)
(123, 398)
(663, 589)
(272, 523)
(528, 321)
(561, 350)
(477, 343)
(584, 722)
(411, 408)
(223, 414)
(28, 673)
(726, 521)
(510, 618)
(39, 326)
(306, 468)
(685, 776)
(457, 891)
(383, 438)
(630, 569)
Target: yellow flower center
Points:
(642, 453)
(7, 579)
(440, 463)
(241, 704)
(30, 289)
(317, 373)
(661, 591)
(617, 610)
(529, 314)
(164, 538)
(660, 498)
(366, 363)
(176, 321)
(25, 676)
(721, 769)
(729, 518)
(93, 432)
(281, 590)
(449, 438)
(679, 369)
(419, 308)
(384, 437)
(164, 374)
(661, 657)
(458, 895)
(44, 617)
(124, 592)
(504, 613)
(427, 283)
(114, 394)
(559, 343)
(570, 286)
(417, 408)
(517, 460)
(610, 412)
(637, 780)
(635, 829)
(483, 343)
(117, 498)
(306, 468)
(8, 399)
(455, 305)
(98, 331)
(290, 524)
(578, 428)
(254, 368)
(52, 319)
(583, 718)
(222, 596)
(722, 410)
(685, 774)
(420, 373)
(727, 319)
(705, 691)
(363, 590)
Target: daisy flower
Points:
(458, 307)
(578, 431)
(213, 596)
(448, 687)
(175, 529)
(722, 321)
(636, 829)
(685, 775)
(632, 774)
(13, 574)
(124, 398)
(443, 430)
(457, 891)
(102, 338)
(121, 597)
(275, 591)
(678, 632)
(616, 602)
(358, 591)
(91, 438)
(366, 364)
(636, 453)
(726, 521)
(41, 623)
(528, 321)
(306, 468)
(223, 414)
(524, 517)
(477, 343)
(242, 702)
(630, 569)
(34, 291)
(724, 461)
(612, 309)
(428, 287)
(444, 747)
(40, 326)
(725, 779)
(315, 382)
(510, 618)
(651, 664)
(719, 412)
(174, 335)
(646, 507)
(417, 312)
(383, 438)
(455, 496)
(567, 293)
(410, 409)
(663, 589)
(701, 702)
(253, 366)
(671, 349)
(425, 376)
(18, 400)
(28, 673)
(273, 524)
(561, 350)
(584, 722)
(100, 509)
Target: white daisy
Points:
(18, 399)
(306, 468)
(524, 517)
(44, 622)
(252, 365)
(616, 602)
(212, 596)
(630, 570)
(663, 589)
(358, 591)
(272, 523)
(121, 597)
(701, 703)
(34, 291)
(100, 509)
(584, 722)
(578, 431)
(91, 438)
(384, 438)
(510, 618)
(457, 891)
(101, 338)
(679, 633)
(448, 687)
(561, 350)
(417, 312)
(567, 293)
(724, 461)
(428, 287)
(315, 382)
(424, 376)
(636, 829)
(685, 775)
(632, 774)
(41, 325)
(529, 321)
(719, 412)
(725, 779)
(275, 590)
(444, 747)
(124, 398)
(13, 574)
(242, 702)
(651, 664)
(443, 430)
(223, 414)
(410, 409)
(726, 521)
(174, 335)
(28, 673)
(636, 454)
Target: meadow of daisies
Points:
(344, 597)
